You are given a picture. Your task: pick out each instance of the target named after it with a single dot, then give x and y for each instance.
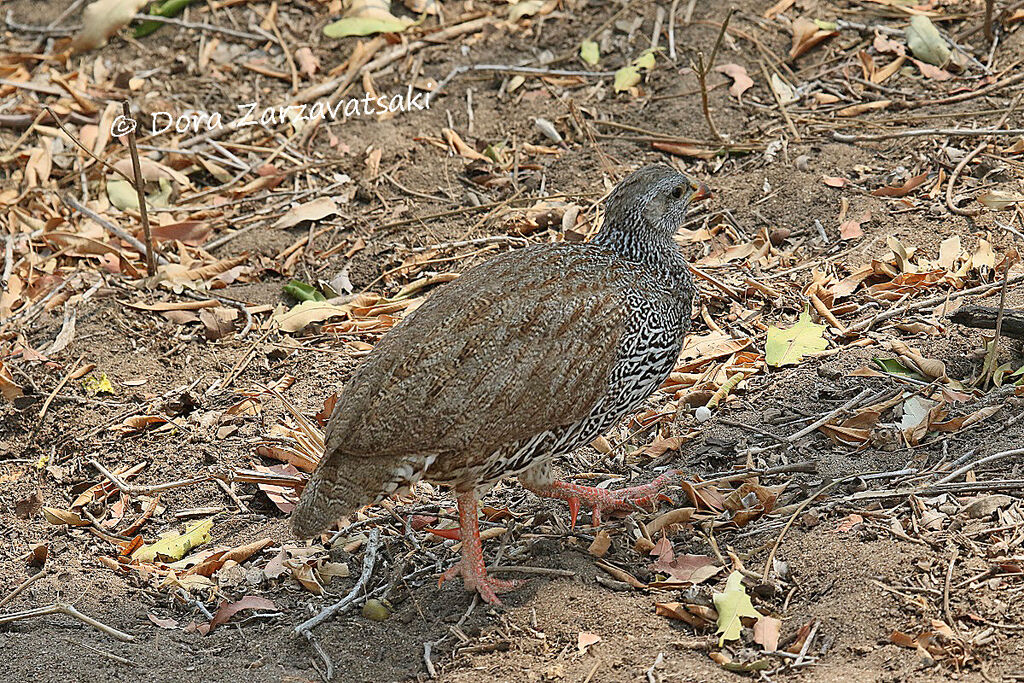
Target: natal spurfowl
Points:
(527, 356)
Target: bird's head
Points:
(652, 199)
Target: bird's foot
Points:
(475, 578)
(471, 566)
(603, 500)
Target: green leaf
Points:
(589, 52)
(365, 26)
(300, 291)
(173, 546)
(732, 604)
(925, 42)
(894, 367)
(171, 8)
(788, 347)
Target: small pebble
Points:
(703, 414)
(802, 163)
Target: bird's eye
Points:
(677, 192)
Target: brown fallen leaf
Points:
(602, 542)
(901, 190)
(806, 36)
(230, 609)
(741, 82)
(766, 633)
(680, 149)
(858, 109)
(162, 623)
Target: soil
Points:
(841, 579)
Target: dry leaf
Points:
(766, 633)
(102, 19)
(602, 542)
(741, 82)
(315, 210)
(807, 35)
(858, 109)
(902, 190)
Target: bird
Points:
(522, 358)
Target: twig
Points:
(22, 586)
(975, 463)
(701, 70)
(778, 100)
(369, 559)
(200, 26)
(140, 193)
(512, 69)
(60, 385)
(672, 30)
(918, 132)
(509, 240)
(945, 590)
(824, 419)
(61, 608)
(924, 303)
(8, 262)
(993, 354)
(114, 229)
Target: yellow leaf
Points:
(788, 347)
(174, 546)
(732, 604)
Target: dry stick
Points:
(140, 193)
(672, 30)
(8, 262)
(945, 590)
(701, 70)
(114, 229)
(24, 584)
(369, 559)
(998, 85)
(778, 101)
(993, 354)
(819, 422)
(60, 385)
(975, 463)
(83, 147)
(924, 303)
(60, 608)
(966, 160)
(200, 27)
(510, 68)
(915, 132)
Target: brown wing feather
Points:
(524, 343)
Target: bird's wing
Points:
(524, 343)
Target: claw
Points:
(451, 534)
(574, 511)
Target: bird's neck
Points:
(647, 247)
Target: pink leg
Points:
(598, 500)
(471, 566)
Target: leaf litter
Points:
(777, 296)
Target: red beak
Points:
(702, 192)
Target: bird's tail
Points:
(335, 491)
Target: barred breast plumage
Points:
(525, 357)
